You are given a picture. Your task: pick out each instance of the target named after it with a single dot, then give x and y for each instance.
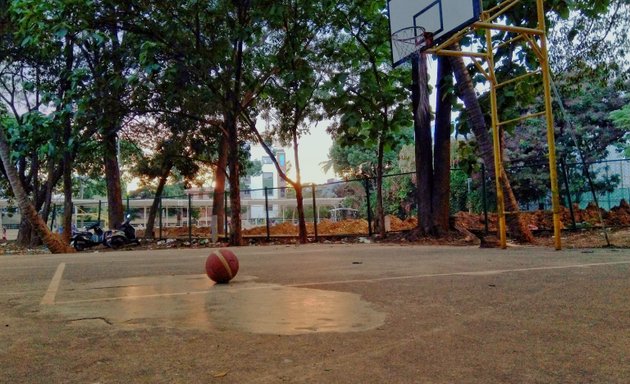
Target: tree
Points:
(29, 75)
(53, 242)
(587, 131)
(290, 96)
(442, 152)
(365, 92)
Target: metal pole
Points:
(189, 218)
(607, 191)
(565, 174)
(369, 208)
(484, 198)
(498, 164)
(267, 213)
(127, 204)
(99, 212)
(553, 172)
(314, 213)
(160, 205)
(52, 219)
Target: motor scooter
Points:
(91, 236)
(125, 234)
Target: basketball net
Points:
(410, 41)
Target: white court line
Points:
(473, 273)
(49, 297)
(470, 273)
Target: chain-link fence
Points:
(348, 207)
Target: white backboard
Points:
(442, 18)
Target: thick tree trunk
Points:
(518, 228)
(442, 154)
(115, 210)
(231, 124)
(68, 160)
(218, 195)
(236, 236)
(115, 114)
(148, 233)
(28, 211)
(422, 130)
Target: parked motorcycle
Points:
(93, 235)
(125, 234)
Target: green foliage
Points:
(621, 120)
(586, 134)
(399, 195)
(351, 161)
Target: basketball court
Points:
(328, 313)
(318, 313)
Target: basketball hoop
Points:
(411, 41)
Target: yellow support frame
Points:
(540, 49)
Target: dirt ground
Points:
(588, 232)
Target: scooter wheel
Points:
(79, 245)
(115, 242)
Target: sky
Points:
(313, 150)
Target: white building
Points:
(254, 186)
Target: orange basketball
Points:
(221, 266)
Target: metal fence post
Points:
(607, 192)
(267, 212)
(565, 176)
(160, 208)
(483, 198)
(52, 219)
(99, 211)
(189, 218)
(369, 207)
(314, 212)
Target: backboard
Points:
(439, 18)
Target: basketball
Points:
(221, 266)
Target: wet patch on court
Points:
(195, 302)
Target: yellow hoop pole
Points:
(553, 172)
(496, 145)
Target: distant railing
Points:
(272, 212)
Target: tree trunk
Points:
(115, 210)
(518, 227)
(442, 153)
(115, 114)
(68, 160)
(148, 232)
(422, 130)
(231, 123)
(28, 211)
(302, 234)
(67, 191)
(236, 235)
(218, 195)
(299, 197)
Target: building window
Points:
(268, 182)
(266, 160)
(281, 159)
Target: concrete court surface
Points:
(318, 314)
